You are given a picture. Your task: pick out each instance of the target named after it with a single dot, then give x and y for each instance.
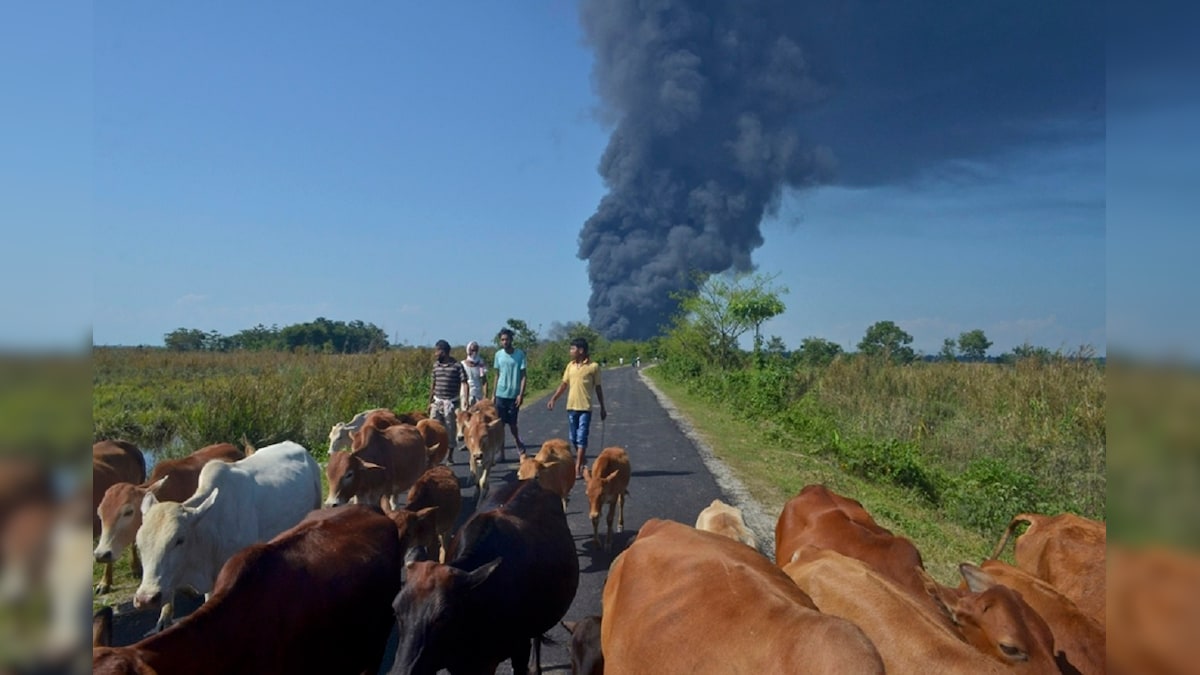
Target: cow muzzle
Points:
(142, 600)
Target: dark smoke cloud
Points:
(705, 97)
(718, 106)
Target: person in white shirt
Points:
(474, 389)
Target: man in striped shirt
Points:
(448, 378)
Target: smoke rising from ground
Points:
(716, 107)
(704, 96)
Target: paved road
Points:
(673, 477)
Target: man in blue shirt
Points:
(509, 365)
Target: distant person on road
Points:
(582, 378)
(476, 386)
(445, 389)
(509, 365)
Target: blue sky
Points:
(428, 167)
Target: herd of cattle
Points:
(293, 587)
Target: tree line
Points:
(321, 335)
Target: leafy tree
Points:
(949, 350)
(756, 304)
(776, 346)
(886, 339)
(721, 310)
(1029, 351)
(815, 351)
(974, 345)
(185, 340)
(524, 337)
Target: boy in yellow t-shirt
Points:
(582, 377)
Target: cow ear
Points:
(480, 574)
(610, 476)
(977, 580)
(206, 505)
(427, 513)
(157, 485)
(495, 423)
(370, 466)
(148, 502)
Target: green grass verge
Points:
(774, 471)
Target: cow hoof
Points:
(102, 588)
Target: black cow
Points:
(512, 575)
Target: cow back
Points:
(819, 517)
(1068, 551)
(675, 588)
(316, 598)
(910, 636)
(183, 474)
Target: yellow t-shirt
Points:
(582, 380)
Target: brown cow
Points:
(437, 442)
(607, 483)
(911, 636)
(485, 440)
(438, 487)
(512, 576)
(820, 517)
(725, 520)
(1067, 551)
(586, 656)
(113, 462)
(462, 416)
(1078, 636)
(120, 507)
(554, 468)
(386, 465)
(315, 599)
(681, 600)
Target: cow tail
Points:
(1008, 531)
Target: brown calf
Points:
(725, 520)
(113, 462)
(607, 483)
(553, 467)
(386, 465)
(438, 487)
(437, 442)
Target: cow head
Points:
(416, 529)
(530, 468)
(339, 437)
(120, 514)
(997, 621)
(349, 475)
(432, 612)
(166, 539)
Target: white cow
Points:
(339, 435)
(235, 505)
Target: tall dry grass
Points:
(176, 402)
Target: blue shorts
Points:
(507, 409)
(578, 422)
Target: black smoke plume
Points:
(704, 97)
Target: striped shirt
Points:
(448, 379)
